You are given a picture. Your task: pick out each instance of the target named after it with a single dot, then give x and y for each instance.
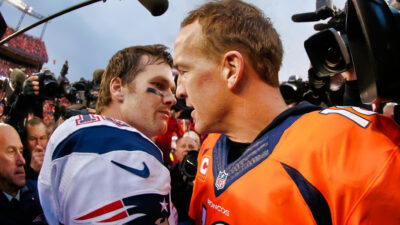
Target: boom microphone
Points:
(306, 17)
(156, 7)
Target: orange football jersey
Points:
(335, 166)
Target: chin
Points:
(200, 129)
(163, 130)
(160, 131)
(20, 183)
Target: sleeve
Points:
(46, 194)
(380, 204)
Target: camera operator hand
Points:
(31, 86)
(350, 74)
(37, 157)
(23, 103)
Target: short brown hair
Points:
(233, 24)
(34, 121)
(126, 64)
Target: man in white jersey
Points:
(103, 168)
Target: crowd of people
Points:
(203, 136)
(7, 66)
(27, 44)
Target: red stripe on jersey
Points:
(119, 216)
(103, 210)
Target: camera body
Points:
(328, 52)
(48, 86)
(82, 93)
(188, 166)
(293, 90)
(364, 35)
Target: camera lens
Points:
(332, 58)
(189, 164)
(49, 87)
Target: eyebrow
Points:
(163, 79)
(15, 147)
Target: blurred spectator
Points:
(167, 142)
(181, 184)
(27, 44)
(6, 67)
(184, 145)
(19, 201)
(35, 147)
(50, 127)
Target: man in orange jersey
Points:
(268, 164)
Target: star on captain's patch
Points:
(164, 205)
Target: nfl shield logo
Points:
(221, 180)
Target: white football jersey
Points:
(98, 170)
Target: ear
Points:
(116, 89)
(233, 65)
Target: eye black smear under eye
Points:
(154, 91)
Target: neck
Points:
(253, 113)
(112, 112)
(115, 113)
(9, 189)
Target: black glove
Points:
(27, 88)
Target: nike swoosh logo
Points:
(144, 173)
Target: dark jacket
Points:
(181, 192)
(27, 211)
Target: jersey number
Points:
(352, 116)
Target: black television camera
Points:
(365, 35)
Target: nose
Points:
(186, 148)
(180, 89)
(169, 99)
(20, 159)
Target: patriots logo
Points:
(133, 210)
(221, 180)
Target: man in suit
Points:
(19, 202)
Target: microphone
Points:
(17, 79)
(306, 17)
(156, 7)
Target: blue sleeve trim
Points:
(104, 139)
